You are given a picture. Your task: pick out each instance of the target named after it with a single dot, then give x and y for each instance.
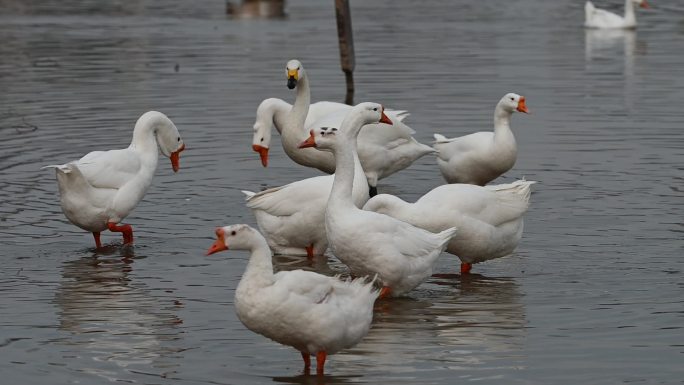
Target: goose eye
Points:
(512, 98)
(261, 140)
(232, 232)
(179, 138)
(375, 109)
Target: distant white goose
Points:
(99, 190)
(602, 19)
(489, 219)
(292, 217)
(315, 314)
(401, 254)
(481, 157)
(383, 149)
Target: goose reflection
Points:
(480, 324)
(114, 318)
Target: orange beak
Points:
(644, 4)
(263, 153)
(309, 142)
(521, 105)
(175, 158)
(220, 243)
(384, 118)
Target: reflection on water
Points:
(112, 319)
(608, 45)
(468, 320)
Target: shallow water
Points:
(594, 293)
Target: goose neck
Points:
(260, 266)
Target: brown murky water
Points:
(594, 293)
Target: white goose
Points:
(272, 112)
(383, 150)
(99, 190)
(292, 217)
(401, 254)
(483, 156)
(489, 219)
(602, 19)
(315, 314)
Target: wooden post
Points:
(345, 37)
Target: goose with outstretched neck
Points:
(400, 254)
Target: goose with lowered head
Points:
(369, 243)
(489, 219)
(315, 314)
(383, 149)
(99, 190)
(481, 157)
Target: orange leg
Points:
(96, 235)
(307, 361)
(466, 267)
(385, 292)
(309, 251)
(320, 362)
(126, 230)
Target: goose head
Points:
(171, 144)
(513, 102)
(168, 138)
(237, 237)
(641, 3)
(261, 140)
(295, 72)
(325, 138)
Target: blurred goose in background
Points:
(400, 254)
(315, 314)
(99, 190)
(489, 219)
(481, 157)
(602, 19)
(383, 149)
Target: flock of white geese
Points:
(386, 242)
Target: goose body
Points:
(481, 157)
(292, 217)
(383, 149)
(489, 219)
(315, 314)
(602, 19)
(400, 254)
(103, 187)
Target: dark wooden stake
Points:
(345, 37)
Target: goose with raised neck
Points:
(400, 254)
(481, 157)
(99, 190)
(315, 314)
(383, 149)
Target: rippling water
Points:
(594, 293)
